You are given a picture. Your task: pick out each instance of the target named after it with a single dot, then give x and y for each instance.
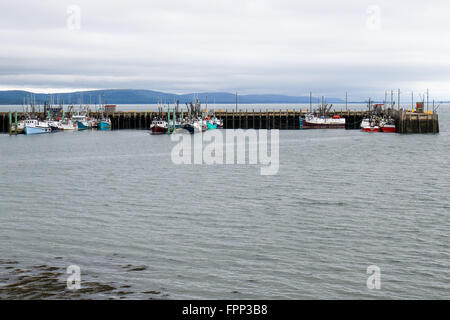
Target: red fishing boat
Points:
(387, 125)
(370, 125)
(159, 126)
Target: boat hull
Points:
(103, 126)
(189, 128)
(371, 129)
(158, 130)
(19, 130)
(36, 130)
(388, 129)
(55, 128)
(309, 125)
(68, 128)
(82, 126)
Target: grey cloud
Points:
(287, 47)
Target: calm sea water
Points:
(139, 226)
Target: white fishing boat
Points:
(54, 125)
(92, 123)
(20, 126)
(323, 122)
(67, 125)
(218, 122)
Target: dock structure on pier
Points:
(406, 121)
(415, 122)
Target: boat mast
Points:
(310, 102)
(346, 106)
(392, 99)
(323, 108)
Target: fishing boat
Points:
(218, 122)
(387, 125)
(189, 127)
(195, 126)
(20, 127)
(55, 125)
(81, 122)
(104, 124)
(202, 124)
(33, 126)
(321, 119)
(92, 123)
(210, 123)
(67, 125)
(159, 126)
(323, 122)
(370, 125)
(214, 123)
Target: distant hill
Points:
(130, 96)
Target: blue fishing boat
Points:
(189, 127)
(104, 124)
(195, 126)
(81, 122)
(210, 124)
(36, 127)
(81, 126)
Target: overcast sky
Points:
(259, 46)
